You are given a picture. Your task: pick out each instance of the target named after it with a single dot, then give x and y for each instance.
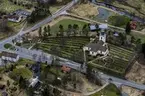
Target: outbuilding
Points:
(9, 56)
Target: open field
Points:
(110, 90)
(92, 11)
(63, 20)
(116, 62)
(8, 6)
(65, 23)
(85, 10)
(66, 47)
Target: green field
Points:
(110, 90)
(65, 24)
(117, 61)
(66, 47)
(7, 6)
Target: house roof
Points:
(97, 46)
(65, 68)
(93, 27)
(13, 17)
(103, 26)
(7, 54)
(34, 81)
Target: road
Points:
(121, 81)
(36, 26)
(41, 56)
(29, 54)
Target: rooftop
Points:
(97, 46)
(7, 54)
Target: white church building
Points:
(100, 47)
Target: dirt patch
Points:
(136, 74)
(131, 92)
(85, 10)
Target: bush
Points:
(15, 83)
(13, 89)
(119, 21)
(24, 72)
(18, 44)
(7, 46)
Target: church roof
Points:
(97, 46)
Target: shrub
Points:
(18, 44)
(119, 21)
(7, 46)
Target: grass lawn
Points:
(24, 72)
(7, 6)
(65, 24)
(25, 61)
(110, 90)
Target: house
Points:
(133, 25)
(14, 18)
(99, 48)
(9, 56)
(22, 13)
(93, 27)
(18, 15)
(33, 81)
(65, 69)
(3, 24)
(103, 26)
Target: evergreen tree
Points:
(48, 30)
(61, 30)
(128, 28)
(40, 32)
(69, 30)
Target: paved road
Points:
(121, 81)
(25, 53)
(41, 56)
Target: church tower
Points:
(102, 35)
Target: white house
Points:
(15, 18)
(9, 56)
(33, 82)
(99, 48)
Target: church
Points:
(100, 47)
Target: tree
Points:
(75, 28)
(122, 38)
(45, 32)
(61, 30)
(128, 28)
(143, 49)
(40, 32)
(85, 30)
(3, 24)
(69, 30)
(48, 30)
(132, 39)
(8, 83)
(22, 83)
(138, 45)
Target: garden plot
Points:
(66, 47)
(117, 61)
(120, 52)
